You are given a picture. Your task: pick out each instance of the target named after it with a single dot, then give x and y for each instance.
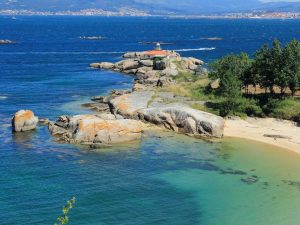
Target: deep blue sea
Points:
(164, 179)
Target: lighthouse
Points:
(158, 46)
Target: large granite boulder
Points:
(184, 119)
(127, 64)
(128, 105)
(143, 70)
(130, 64)
(90, 129)
(148, 63)
(24, 120)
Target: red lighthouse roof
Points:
(157, 53)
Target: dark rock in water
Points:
(45, 121)
(250, 180)
(98, 99)
(266, 184)
(234, 172)
(292, 183)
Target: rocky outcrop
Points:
(178, 117)
(103, 65)
(146, 104)
(152, 72)
(24, 120)
(184, 119)
(93, 130)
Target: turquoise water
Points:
(164, 178)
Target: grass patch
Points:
(205, 109)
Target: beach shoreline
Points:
(279, 133)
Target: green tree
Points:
(279, 74)
(236, 65)
(64, 219)
(264, 67)
(291, 57)
(231, 91)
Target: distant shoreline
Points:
(137, 13)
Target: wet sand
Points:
(281, 133)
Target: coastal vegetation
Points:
(264, 86)
(64, 219)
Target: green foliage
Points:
(291, 57)
(278, 66)
(272, 68)
(64, 219)
(288, 109)
(240, 107)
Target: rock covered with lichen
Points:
(95, 129)
(24, 120)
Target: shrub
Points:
(288, 109)
(239, 107)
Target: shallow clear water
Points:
(165, 178)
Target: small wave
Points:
(3, 97)
(194, 49)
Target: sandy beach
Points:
(281, 133)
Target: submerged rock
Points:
(92, 129)
(250, 180)
(24, 120)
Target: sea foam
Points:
(194, 49)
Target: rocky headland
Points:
(124, 115)
(145, 102)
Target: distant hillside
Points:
(152, 6)
(281, 7)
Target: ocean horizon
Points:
(165, 178)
